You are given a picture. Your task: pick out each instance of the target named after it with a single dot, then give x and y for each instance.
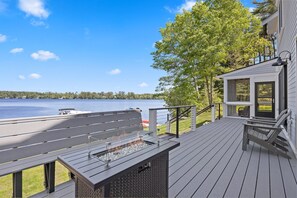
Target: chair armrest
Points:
(261, 122)
(262, 127)
(263, 118)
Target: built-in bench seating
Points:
(30, 142)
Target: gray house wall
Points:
(287, 41)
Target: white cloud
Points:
(170, 10)
(115, 71)
(187, 5)
(34, 8)
(42, 55)
(251, 9)
(2, 38)
(143, 84)
(16, 50)
(34, 76)
(22, 77)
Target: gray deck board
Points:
(201, 174)
(250, 180)
(262, 188)
(211, 163)
(199, 186)
(235, 184)
(276, 180)
(62, 190)
(293, 164)
(185, 172)
(186, 158)
(219, 188)
(288, 179)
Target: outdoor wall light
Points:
(280, 61)
(284, 62)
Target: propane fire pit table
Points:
(135, 167)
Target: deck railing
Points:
(267, 53)
(176, 120)
(218, 110)
(163, 120)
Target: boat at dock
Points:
(71, 111)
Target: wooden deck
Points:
(211, 163)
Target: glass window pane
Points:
(265, 97)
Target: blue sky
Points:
(82, 45)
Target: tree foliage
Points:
(264, 8)
(215, 37)
(78, 95)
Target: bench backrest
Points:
(27, 137)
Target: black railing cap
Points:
(172, 107)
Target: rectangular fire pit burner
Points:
(120, 151)
(131, 168)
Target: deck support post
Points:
(153, 122)
(17, 184)
(213, 113)
(49, 175)
(193, 118)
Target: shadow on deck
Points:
(211, 163)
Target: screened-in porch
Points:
(253, 91)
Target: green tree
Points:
(216, 36)
(264, 8)
(76, 95)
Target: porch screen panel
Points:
(231, 90)
(239, 90)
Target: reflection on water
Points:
(14, 108)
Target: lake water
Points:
(16, 108)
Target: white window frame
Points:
(280, 20)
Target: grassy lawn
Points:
(265, 108)
(33, 180)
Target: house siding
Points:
(287, 41)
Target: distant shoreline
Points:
(81, 99)
(78, 95)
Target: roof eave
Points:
(245, 68)
(270, 18)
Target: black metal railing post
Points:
(264, 54)
(17, 184)
(219, 111)
(177, 122)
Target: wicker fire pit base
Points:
(147, 180)
(143, 173)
